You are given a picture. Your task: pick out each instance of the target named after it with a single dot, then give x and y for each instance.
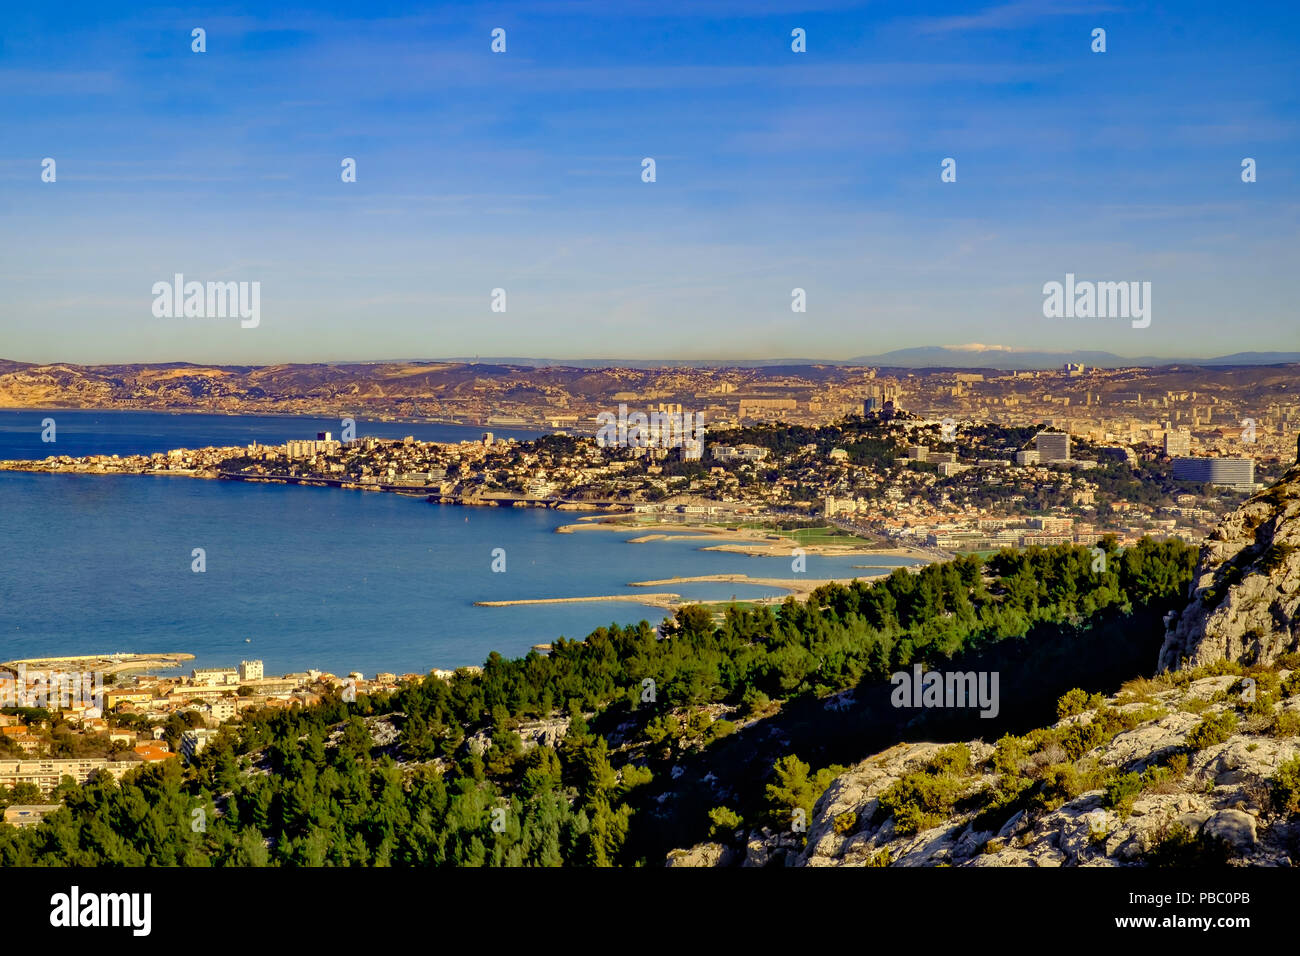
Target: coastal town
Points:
(75, 718)
(952, 462)
(892, 464)
(1130, 404)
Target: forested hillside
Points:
(614, 749)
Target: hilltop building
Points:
(739, 453)
(193, 741)
(1052, 446)
(1237, 473)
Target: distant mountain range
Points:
(933, 356)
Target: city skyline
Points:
(522, 171)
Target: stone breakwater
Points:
(798, 587)
(656, 600)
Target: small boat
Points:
(248, 640)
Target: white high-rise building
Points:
(250, 670)
(1178, 441)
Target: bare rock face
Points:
(1235, 827)
(703, 854)
(1221, 797)
(1245, 596)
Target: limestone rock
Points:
(702, 854)
(1234, 827)
(1245, 594)
(1222, 795)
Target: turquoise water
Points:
(313, 577)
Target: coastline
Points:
(609, 516)
(313, 414)
(747, 541)
(427, 492)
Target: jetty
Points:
(105, 663)
(657, 600)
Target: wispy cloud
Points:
(1009, 16)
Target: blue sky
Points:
(522, 171)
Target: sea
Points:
(309, 578)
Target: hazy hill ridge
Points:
(470, 392)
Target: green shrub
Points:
(954, 759)
(1267, 680)
(1063, 782)
(723, 822)
(1286, 724)
(1081, 738)
(1261, 706)
(1276, 556)
(1180, 847)
(1076, 701)
(919, 801)
(1122, 791)
(846, 823)
(1214, 729)
(1284, 786)
(698, 724)
(755, 701)
(1010, 754)
(1001, 803)
(721, 728)
(666, 730)
(1177, 764)
(1105, 724)
(795, 787)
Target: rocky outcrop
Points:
(1222, 798)
(548, 733)
(1245, 594)
(1197, 796)
(703, 854)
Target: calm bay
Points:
(299, 577)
